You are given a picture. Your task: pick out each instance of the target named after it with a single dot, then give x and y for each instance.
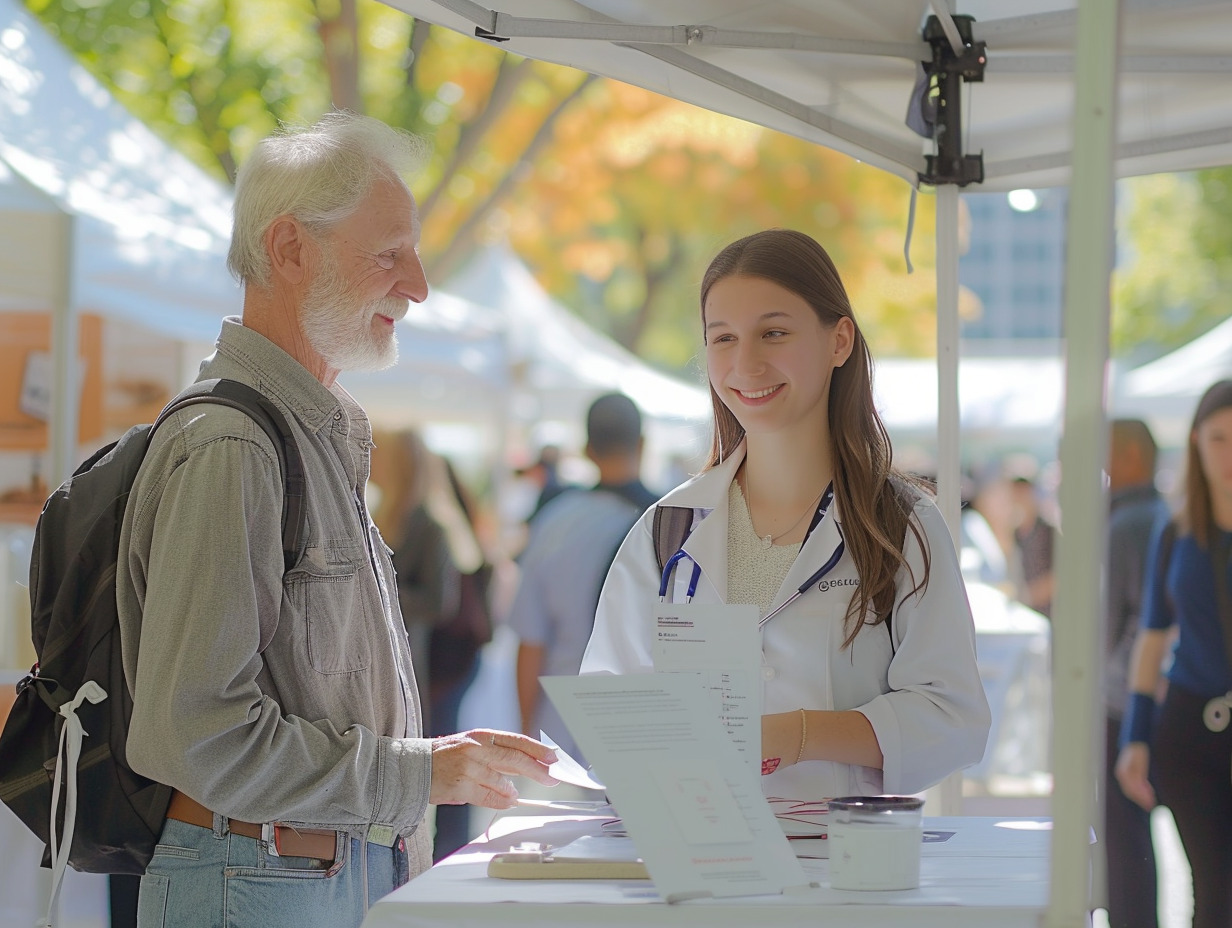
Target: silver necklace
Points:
(768, 539)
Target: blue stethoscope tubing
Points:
(667, 575)
(817, 577)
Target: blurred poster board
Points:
(25, 380)
(26, 377)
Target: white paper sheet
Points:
(692, 805)
(721, 644)
(567, 769)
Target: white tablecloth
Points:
(990, 871)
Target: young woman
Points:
(1187, 752)
(869, 677)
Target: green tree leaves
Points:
(1174, 269)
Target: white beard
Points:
(340, 328)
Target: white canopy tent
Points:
(1071, 93)
(99, 214)
(841, 73)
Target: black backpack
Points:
(77, 639)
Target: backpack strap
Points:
(261, 410)
(672, 525)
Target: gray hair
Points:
(318, 174)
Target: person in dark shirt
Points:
(1135, 507)
(572, 544)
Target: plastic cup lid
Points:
(877, 803)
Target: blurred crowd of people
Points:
(1009, 526)
(460, 572)
(1167, 640)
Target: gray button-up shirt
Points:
(264, 696)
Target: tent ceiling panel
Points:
(842, 74)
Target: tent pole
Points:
(949, 465)
(948, 793)
(65, 362)
(65, 400)
(1078, 612)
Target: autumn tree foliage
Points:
(615, 197)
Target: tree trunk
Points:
(655, 276)
(339, 32)
(508, 78)
(463, 242)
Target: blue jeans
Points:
(204, 878)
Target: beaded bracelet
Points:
(803, 735)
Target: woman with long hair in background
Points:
(1180, 753)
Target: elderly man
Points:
(281, 705)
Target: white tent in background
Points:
(1055, 91)
(567, 362)
(1004, 403)
(150, 230)
(493, 348)
(452, 364)
(1166, 391)
(558, 364)
(98, 214)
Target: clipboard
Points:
(590, 857)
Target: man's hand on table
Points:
(474, 767)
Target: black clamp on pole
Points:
(946, 72)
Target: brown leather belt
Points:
(285, 841)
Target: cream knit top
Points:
(755, 570)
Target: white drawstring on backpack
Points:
(68, 755)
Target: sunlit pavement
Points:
(1175, 889)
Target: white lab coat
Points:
(924, 698)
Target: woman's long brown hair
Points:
(871, 495)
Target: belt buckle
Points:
(270, 837)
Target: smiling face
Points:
(367, 270)
(769, 357)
